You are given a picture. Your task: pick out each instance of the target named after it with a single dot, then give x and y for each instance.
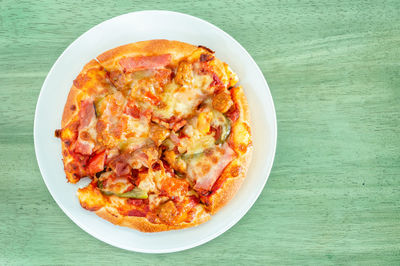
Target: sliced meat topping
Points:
(205, 168)
(86, 113)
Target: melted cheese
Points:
(147, 184)
(137, 127)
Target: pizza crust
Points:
(176, 49)
(142, 224)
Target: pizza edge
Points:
(176, 49)
(236, 171)
(71, 106)
(144, 225)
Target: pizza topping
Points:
(205, 169)
(222, 101)
(203, 122)
(175, 187)
(168, 212)
(175, 161)
(132, 144)
(84, 147)
(122, 168)
(130, 64)
(132, 110)
(146, 180)
(233, 113)
(135, 193)
(96, 163)
(109, 185)
(184, 74)
(158, 134)
(221, 126)
(86, 113)
(145, 156)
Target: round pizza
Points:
(162, 130)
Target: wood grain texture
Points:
(334, 191)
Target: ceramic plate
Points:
(139, 26)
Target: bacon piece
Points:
(86, 113)
(84, 147)
(96, 163)
(130, 64)
(122, 168)
(206, 168)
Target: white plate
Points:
(138, 26)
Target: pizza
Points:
(161, 129)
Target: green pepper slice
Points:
(135, 193)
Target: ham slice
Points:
(123, 163)
(122, 168)
(130, 64)
(86, 113)
(205, 169)
(144, 157)
(84, 147)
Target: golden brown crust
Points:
(142, 224)
(236, 171)
(177, 49)
(71, 106)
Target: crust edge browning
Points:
(237, 167)
(142, 224)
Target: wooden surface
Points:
(334, 191)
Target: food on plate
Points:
(162, 130)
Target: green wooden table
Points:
(333, 196)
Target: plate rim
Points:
(208, 237)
